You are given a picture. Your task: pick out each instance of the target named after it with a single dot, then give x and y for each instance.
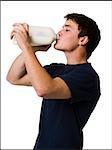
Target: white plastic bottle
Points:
(40, 35)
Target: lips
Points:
(57, 37)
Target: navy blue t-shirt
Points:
(62, 121)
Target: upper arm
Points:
(77, 86)
(58, 90)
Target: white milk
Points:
(40, 35)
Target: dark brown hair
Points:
(87, 27)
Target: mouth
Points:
(57, 37)
(57, 40)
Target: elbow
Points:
(10, 80)
(45, 91)
(41, 92)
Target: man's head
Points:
(86, 33)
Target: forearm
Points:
(17, 73)
(17, 69)
(38, 76)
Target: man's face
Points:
(68, 37)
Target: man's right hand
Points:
(41, 48)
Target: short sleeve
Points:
(54, 69)
(50, 68)
(83, 86)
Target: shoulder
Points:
(81, 74)
(54, 67)
(86, 70)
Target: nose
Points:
(60, 33)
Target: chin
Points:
(58, 47)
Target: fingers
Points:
(15, 31)
(26, 26)
(19, 27)
(12, 34)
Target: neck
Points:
(76, 57)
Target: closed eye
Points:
(67, 30)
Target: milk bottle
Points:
(40, 35)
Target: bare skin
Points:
(27, 70)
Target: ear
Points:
(83, 40)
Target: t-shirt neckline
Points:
(87, 63)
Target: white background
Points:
(20, 109)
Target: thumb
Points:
(26, 26)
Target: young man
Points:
(70, 91)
